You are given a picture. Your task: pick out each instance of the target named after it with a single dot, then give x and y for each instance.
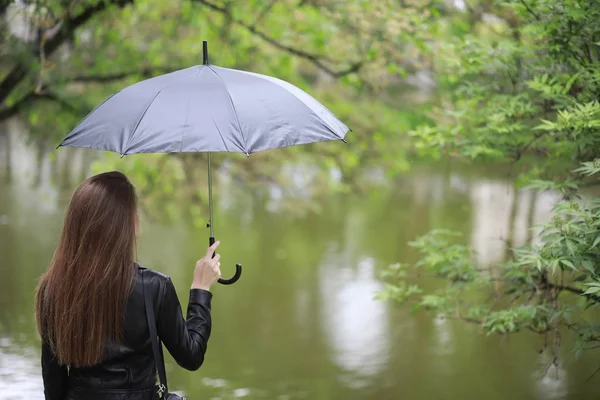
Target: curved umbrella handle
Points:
(238, 268)
(234, 279)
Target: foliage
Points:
(515, 78)
(528, 85)
(349, 55)
(525, 83)
(542, 288)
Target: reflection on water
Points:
(490, 227)
(33, 173)
(356, 326)
(503, 215)
(554, 380)
(302, 322)
(443, 336)
(19, 372)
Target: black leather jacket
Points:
(127, 370)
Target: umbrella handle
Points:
(238, 268)
(236, 276)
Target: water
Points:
(302, 322)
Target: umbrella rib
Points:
(219, 132)
(187, 113)
(141, 118)
(234, 111)
(325, 123)
(273, 82)
(90, 113)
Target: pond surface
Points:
(302, 322)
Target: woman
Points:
(90, 309)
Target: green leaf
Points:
(589, 266)
(539, 264)
(592, 290)
(568, 263)
(569, 244)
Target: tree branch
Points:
(146, 72)
(10, 81)
(32, 97)
(316, 60)
(554, 362)
(20, 71)
(570, 289)
(57, 99)
(463, 319)
(9, 112)
(264, 13)
(4, 5)
(591, 376)
(530, 10)
(546, 284)
(523, 150)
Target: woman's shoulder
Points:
(151, 273)
(153, 278)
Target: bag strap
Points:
(156, 348)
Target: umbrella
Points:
(206, 108)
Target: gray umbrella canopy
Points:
(206, 108)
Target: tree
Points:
(350, 55)
(526, 87)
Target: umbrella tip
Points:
(205, 52)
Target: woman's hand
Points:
(208, 269)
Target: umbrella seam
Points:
(88, 114)
(219, 132)
(185, 124)
(321, 140)
(309, 109)
(303, 103)
(141, 118)
(234, 110)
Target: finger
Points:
(216, 258)
(213, 248)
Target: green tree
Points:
(506, 80)
(522, 84)
(350, 55)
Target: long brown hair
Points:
(80, 300)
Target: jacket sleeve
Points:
(186, 339)
(54, 375)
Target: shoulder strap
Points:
(156, 349)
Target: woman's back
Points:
(127, 369)
(90, 303)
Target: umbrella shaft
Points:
(210, 199)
